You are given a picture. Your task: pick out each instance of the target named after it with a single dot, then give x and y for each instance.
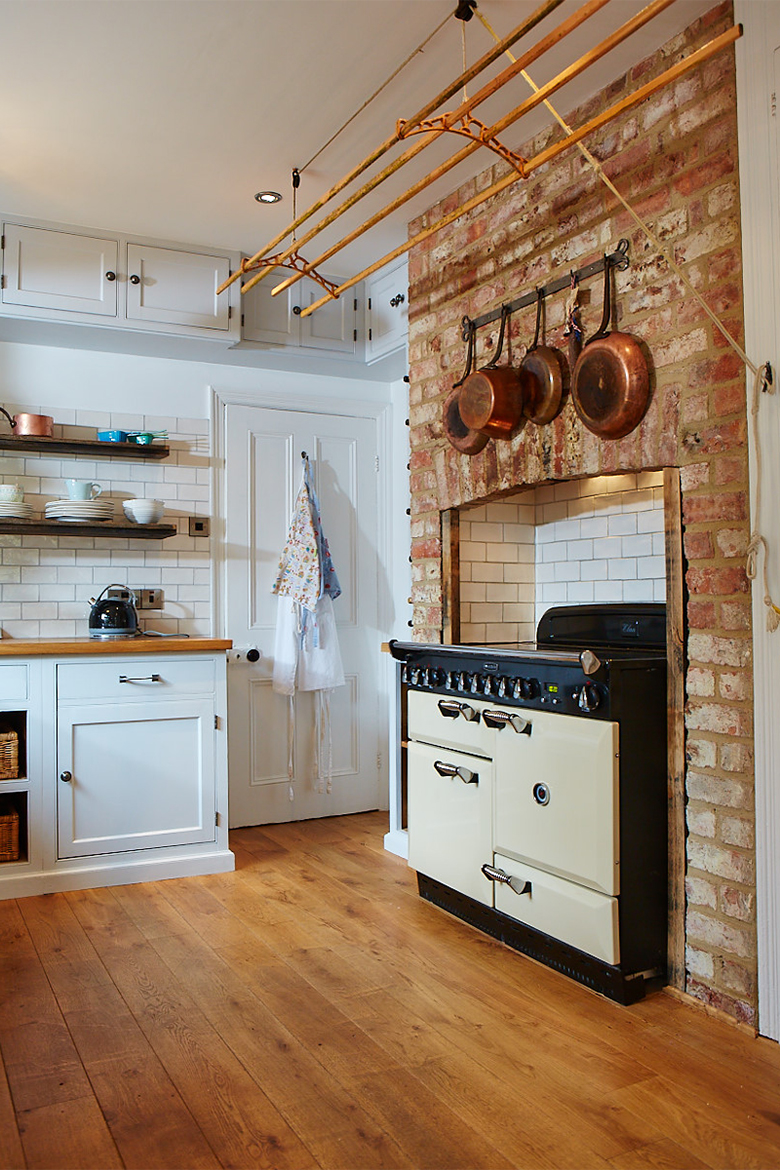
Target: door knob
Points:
(66, 777)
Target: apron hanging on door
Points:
(306, 653)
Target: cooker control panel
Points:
(551, 688)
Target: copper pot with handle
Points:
(549, 372)
(611, 382)
(40, 425)
(491, 399)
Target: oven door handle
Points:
(465, 774)
(451, 709)
(498, 875)
(501, 719)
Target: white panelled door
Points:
(262, 476)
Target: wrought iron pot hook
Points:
(470, 330)
(491, 365)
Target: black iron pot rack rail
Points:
(617, 259)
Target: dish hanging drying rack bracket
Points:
(619, 260)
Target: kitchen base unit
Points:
(122, 762)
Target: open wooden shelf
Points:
(113, 528)
(95, 448)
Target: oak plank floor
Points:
(310, 1010)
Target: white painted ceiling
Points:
(162, 118)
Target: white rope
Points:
(762, 383)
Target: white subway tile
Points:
(622, 569)
(638, 546)
(623, 524)
(594, 570)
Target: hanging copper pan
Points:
(611, 383)
(491, 399)
(462, 437)
(549, 372)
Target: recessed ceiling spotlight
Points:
(268, 197)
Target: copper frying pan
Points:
(611, 383)
(549, 372)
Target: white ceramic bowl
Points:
(144, 511)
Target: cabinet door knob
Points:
(134, 279)
(110, 275)
(297, 310)
(397, 300)
(66, 777)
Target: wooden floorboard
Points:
(310, 1010)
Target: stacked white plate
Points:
(16, 510)
(79, 510)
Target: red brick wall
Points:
(675, 158)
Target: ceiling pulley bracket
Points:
(468, 127)
(296, 262)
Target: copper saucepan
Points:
(549, 372)
(611, 382)
(463, 438)
(491, 399)
(41, 425)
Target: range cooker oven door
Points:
(559, 908)
(556, 794)
(450, 817)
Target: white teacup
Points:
(11, 493)
(82, 489)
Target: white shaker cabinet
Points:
(170, 287)
(276, 320)
(62, 273)
(123, 769)
(387, 310)
(59, 271)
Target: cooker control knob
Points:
(464, 680)
(489, 685)
(589, 697)
(414, 676)
(529, 688)
(449, 680)
(425, 678)
(404, 673)
(501, 682)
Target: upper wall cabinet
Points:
(277, 321)
(93, 278)
(387, 308)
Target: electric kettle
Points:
(113, 616)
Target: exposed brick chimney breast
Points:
(675, 159)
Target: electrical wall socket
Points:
(199, 526)
(149, 598)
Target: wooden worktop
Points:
(48, 647)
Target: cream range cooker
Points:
(537, 790)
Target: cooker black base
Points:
(624, 988)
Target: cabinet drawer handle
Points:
(66, 777)
(452, 708)
(498, 875)
(149, 678)
(135, 279)
(110, 275)
(465, 774)
(501, 719)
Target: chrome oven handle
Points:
(498, 875)
(465, 774)
(501, 719)
(452, 708)
(155, 678)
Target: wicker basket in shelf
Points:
(9, 832)
(9, 754)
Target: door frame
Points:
(381, 412)
(759, 185)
